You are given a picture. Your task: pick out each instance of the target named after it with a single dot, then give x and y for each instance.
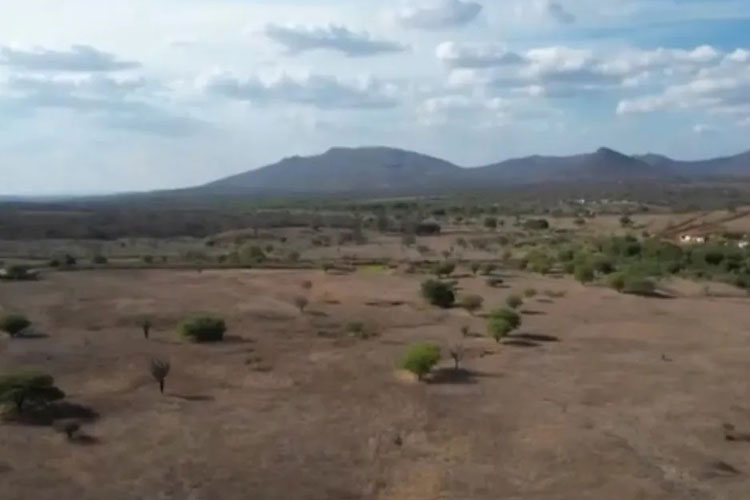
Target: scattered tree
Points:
(444, 269)
(420, 359)
(475, 266)
(529, 293)
(584, 273)
(203, 328)
(13, 324)
(490, 223)
(502, 322)
(146, 327)
(438, 293)
(28, 388)
(307, 284)
(159, 369)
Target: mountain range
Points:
(389, 170)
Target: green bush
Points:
(509, 315)
(28, 387)
(498, 328)
(584, 273)
(536, 224)
(251, 254)
(490, 222)
(420, 359)
(204, 328)
(471, 303)
(616, 281)
(639, 286)
(99, 259)
(529, 293)
(13, 324)
(514, 301)
(438, 293)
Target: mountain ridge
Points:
(385, 169)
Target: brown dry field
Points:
(629, 403)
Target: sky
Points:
(101, 97)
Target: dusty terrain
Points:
(628, 403)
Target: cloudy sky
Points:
(102, 96)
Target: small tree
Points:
(301, 303)
(626, 221)
(514, 301)
(306, 285)
(159, 369)
(457, 354)
(438, 293)
(146, 327)
(203, 328)
(465, 331)
(498, 328)
(13, 324)
(475, 266)
(490, 223)
(28, 387)
(420, 359)
(509, 315)
(472, 303)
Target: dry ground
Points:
(629, 403)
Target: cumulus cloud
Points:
(325, 92)
(475, 55)
(80, 58)
(337, 38)
(703, 129)
(557, 12)
(438, 14)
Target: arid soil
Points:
(598, 396)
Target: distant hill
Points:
(388, 170)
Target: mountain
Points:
(347, 170)
(388, 170)
(604, 165)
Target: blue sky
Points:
(118, 96)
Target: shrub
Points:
(251, 254)
(536, 224)
(69, 260)
(19, 273)
(529, 293)
(498, 328)
(13, 324)
(509, 315)
(360, 330)
(159, 369)
(146, 327)
(472, 303)
(616, 281)
(494, 282)
(474, 267)
(465, 331)
(408, 240)
(514, 301)
(293, 256)
(457, 354)
(444, 268)
(427, 228)
(438, 293)
(604, 265)
(626, 221)
(639, 286)
(148, 259)
(204, 328)
(420, 359)
(584, 273)
(490, 222)
(99, 259)
(307, 284)
(28, 387)
(301, 303)
(488, 269)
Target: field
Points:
(598, 394)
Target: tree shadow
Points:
(534, 337)
(83, 439)
(316, 314)
(530, 312)
(521, 343)
(652, 295)
(44, 415)
(450, 376)
(545, 301)
(30, 334)
(193, 398)
(236, 339)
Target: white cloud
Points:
(438, 14)
(321, 91)
(80, 58)
(337, 38)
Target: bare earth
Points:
(628, 403)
